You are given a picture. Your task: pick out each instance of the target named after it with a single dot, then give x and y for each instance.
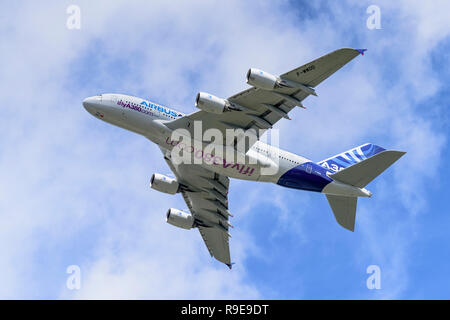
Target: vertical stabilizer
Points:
(350, 157)
(342, 192)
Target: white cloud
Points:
(66, 175)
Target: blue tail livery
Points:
(350, 157)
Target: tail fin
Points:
(344, 210)
(350, 157)
(358, 175)
(361, 173)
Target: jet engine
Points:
(266, 81)
(209, 103)
(262, 79)
(180, 218)
(164, 183)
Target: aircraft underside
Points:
(202, 169)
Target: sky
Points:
(74, 191)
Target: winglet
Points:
(230, 265)
(361, 51)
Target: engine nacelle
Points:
(209, 103)
(180, 219)
(164, 183)
(262, 79)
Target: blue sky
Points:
(74, 190)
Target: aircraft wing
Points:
(264, 108)
(206, 196)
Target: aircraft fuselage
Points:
(262, 162)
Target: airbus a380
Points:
(204, 183)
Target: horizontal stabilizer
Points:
(344, 209)
(361, 173)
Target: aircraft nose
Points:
(90, 103)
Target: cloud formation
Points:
(75, 190)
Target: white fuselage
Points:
(262, 161)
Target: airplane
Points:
(204, 182)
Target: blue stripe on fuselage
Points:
(307, 176)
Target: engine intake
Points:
(209, 103)
(180, 219)
(266, 81)
(164, 183)
(262, 79)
